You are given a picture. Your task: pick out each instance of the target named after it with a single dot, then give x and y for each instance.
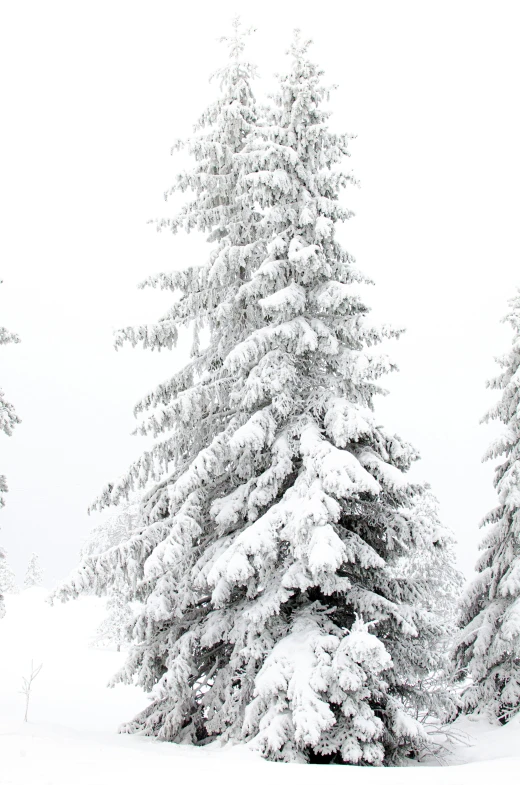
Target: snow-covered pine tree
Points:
(489, 647)
(266, 552)
(34, 572)
(8, 419)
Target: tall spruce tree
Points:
(274, 609)
(489, 647)
(8, 420)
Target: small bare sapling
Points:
(27, 686)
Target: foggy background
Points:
(94, 94)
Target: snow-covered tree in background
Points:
(267, 559)
(436, 564)
(489, 647)
(436, 567)
(8, 416)
(7, 576)
(34, 572)
(2, 601)
(110, 533)
(8, 420)
(115, 626)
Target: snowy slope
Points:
(71, 737)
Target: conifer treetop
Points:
(236, 42)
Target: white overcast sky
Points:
(94, 93)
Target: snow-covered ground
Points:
(71, 736)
